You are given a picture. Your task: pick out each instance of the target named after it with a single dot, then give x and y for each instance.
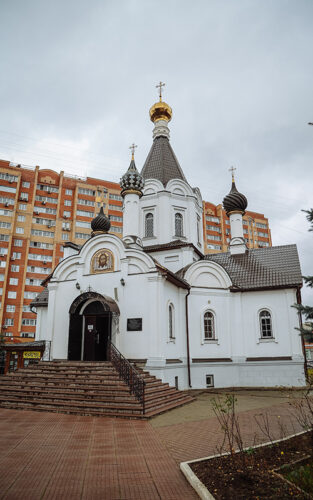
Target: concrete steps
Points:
(85, 388)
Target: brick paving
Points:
(202, 438)
(58, 456)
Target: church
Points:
(194, 321)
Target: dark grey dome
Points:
(234, 200)
(132, 180)
(101, 222)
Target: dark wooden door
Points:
(75, 337)
(91, 340)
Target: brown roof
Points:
(161, 162)
(41, 299)
(262, 268)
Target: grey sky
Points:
(78, 78)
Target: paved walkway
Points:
(56, 456)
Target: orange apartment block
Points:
(41, 210)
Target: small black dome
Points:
(101, 223)
(234, 200)
(132, 179)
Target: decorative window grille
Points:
(149, 225)
(178, 224)
(266, 329)
(209, 326)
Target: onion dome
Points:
(100, 224)
(235, 201)
(132, 181)
(160, 111)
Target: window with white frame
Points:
(69, 192)
(171, 333)
(9, 321)
(11, 295)
(18, 243)
(13, 281)
(1, 277)
(209, 326)
(22, 206)
(10, 308)
(25, 184)
(179, 224)
(15, 268)
(149, 225)
(66, 213)
(28, 322)
(65, 236)
(21, 218)
(266, 329)
(67, 203)
(19, 230)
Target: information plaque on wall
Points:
(134, 324)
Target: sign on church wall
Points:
(134, 324)
(102, 261)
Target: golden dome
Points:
(160, 111)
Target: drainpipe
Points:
(187, 338)
(302, 338)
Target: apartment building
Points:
(216, 229)
(41, 210)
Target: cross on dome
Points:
(159, 86)
(132, 148)
(232, 170)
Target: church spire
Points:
(160, 115)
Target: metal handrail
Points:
(129, 374)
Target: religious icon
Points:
(102, 261)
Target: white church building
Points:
(195, 321)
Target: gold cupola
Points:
(160, 110)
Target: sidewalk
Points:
(57, 456)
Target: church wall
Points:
(163, 204)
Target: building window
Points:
(66, 213)
(65, 236)
(266, 329)
(171, 334)
(25, 184)
(22, 206)
(9, 322)
(10, 308)
(209, 326)
(19, 230)
(69, 192)
(18, 243)
(11, 295)
(178, 224)
(68, 203)
(149, 225)
(28, 322)
(13, 281)
(27, 335)
(15, 268)
(21, 218)
(209, 380)
(24, 196)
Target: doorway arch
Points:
(90, 330)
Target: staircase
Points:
(85, 388)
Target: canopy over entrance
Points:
(109, 305)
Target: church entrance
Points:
(90, 329)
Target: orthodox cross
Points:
(161, 84)
(89, 288)
(232, 170)
(132, 148)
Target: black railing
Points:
(129, 374)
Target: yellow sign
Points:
(32, 354)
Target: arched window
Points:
(209, 326)
(171, 321)
(149, 225)
(266, 329)
(178, 224)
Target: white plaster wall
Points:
(176, 259)
(164, 203)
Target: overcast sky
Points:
(77, 80)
